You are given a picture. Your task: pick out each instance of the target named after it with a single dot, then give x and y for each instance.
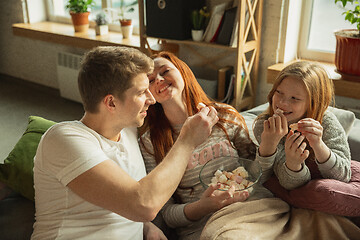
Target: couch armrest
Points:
(354, 140)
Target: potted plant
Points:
(126, 6)
(79, 11)
(199, 20)
(347, 54)
(102, 22)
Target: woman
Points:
(178, 94)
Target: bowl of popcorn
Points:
(241, 173)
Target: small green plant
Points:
(101, 19)
(116, 14)
(200, 18)
(126, 7)
(353, 16)
(80, 6)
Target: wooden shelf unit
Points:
(247, 50)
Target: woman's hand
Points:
(152, 232)
(295, 151)
(213, 200)
(313, 131)
(220, 199)
(275, 128)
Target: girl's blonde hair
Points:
(319, 87)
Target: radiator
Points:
(67, 72)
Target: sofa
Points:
(16, 204)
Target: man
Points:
(89, 175)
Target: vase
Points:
(102, 29)
(80, 21)
(197, 35)
(126, 28)
(347, 54)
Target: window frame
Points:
(303, 51)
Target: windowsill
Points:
(64, 34)
(346, 86)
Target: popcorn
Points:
(278, 112)
(236, 178)
(294, 126)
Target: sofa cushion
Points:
(17, 169)
(16, 217)
(326, 195)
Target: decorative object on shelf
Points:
(119, 14)
(347, 54)
(126, 6)
(102, 27)
(199, 20)
(79, 11)
(163, 45)
(126, 27)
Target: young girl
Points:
(178, 94)
(317, 149)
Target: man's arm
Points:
(110, 187)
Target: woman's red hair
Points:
(161, 132)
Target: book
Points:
(213, 39)
(214, 22)
(230, 91)
(226, 27)
(235, 33)
(224, 76)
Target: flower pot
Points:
(347, 54)
(126, 28)
(102, 30)
(80, 21)
(197, 35)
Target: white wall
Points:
(25, 58)
(35, 60)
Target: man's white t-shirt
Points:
(66, 151)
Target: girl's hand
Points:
(275, 128)
(313, 131)
(295, 151)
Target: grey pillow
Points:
(345, 117)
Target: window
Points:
(58, 13)
(320, 19)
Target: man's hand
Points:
(152, 232)
(199, 126)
